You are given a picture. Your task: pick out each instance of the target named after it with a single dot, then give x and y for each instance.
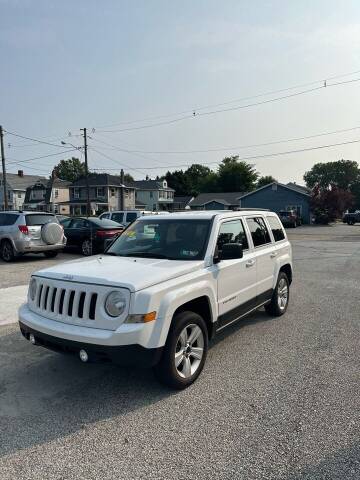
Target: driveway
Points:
(278, 398)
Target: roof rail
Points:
(243, 209)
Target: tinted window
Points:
(171, 239)
(7, 219)
(117, 217)
(40, 219)
(259, 231)
(79, 223)
(103, 223)
(66, 222)
(131, 216)
(276, 228)
(105, 215)
(232, 232)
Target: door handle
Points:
(250, 263)
(273, 255)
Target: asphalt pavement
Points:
(279, 398)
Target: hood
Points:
(132, 273)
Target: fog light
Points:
(32, 339)
(84, 357)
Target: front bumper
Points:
(126, 355)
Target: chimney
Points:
(122, 176)
(20, 173)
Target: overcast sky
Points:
(67, 65)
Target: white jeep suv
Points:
(162, 290)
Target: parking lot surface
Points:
(278, 398)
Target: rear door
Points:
(264, 256)
(117, 217)
(236, 279)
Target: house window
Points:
(19, 195)
(56, 193)
(126, 193)
(100, 192)
(151, 194)
(297, 208)
(76, 193)
(112, 192)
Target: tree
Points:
(330, 203)
(128, 178)
(266, 180)
(179, 182)
(236, 176)
(70, 169)
(342, 174)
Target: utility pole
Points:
(86, 174)
(6, 205)
(122, 206)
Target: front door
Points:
(236, 279)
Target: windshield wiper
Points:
(111, 253)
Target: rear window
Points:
(7, 219)
(40, 219)
(104, 222)
(276, 228)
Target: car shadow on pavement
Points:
(45, 396)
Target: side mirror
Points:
(230, 251)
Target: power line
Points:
(115, 161)
(224, 149)
(272, 92)
(34, 139)
(239, 107)
(256, 157)
(43, 156)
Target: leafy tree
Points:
(128, 178)
(330, 203)
(236, 176)
(342, 174)
(266, 180)
(70, 169)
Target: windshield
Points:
(170, 239)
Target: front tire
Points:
(280, 298)
(7, 251)
(185, 351)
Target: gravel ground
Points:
(278, 398)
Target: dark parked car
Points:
(351, 218)
(289, 218)
(91, 235)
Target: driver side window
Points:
(232, 232)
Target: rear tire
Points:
(280, 298)
(185, 351)
(51, 254)
(86, 248)
(7, 251)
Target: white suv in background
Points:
(125, 217)
(162, 290)
(30, 232)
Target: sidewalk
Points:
(10, 300)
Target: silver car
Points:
(30, 232)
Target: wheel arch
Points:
(287, 269)
(202, 306)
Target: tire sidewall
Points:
(82, 248)
(279, 311)
(166, 369)
(4, 244)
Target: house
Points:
(154, 194)
(216, 201)
(49, 196)
(181, 202)
(107, 193)
(277, 196)
(17, 183)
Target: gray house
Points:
(277, 196)
(107, 193)
(17, 183)
(49, 196)
(154, 194)
(216, 201)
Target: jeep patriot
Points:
(162, 290)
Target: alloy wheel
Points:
(189, 350)
(282, 294)
(86, 248)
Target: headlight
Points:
(115, 304)
(32, 289)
